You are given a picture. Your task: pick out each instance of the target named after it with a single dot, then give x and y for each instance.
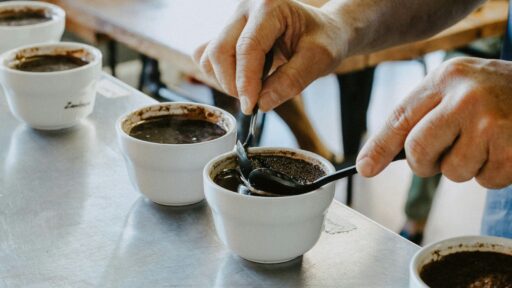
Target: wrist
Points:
(344, 32)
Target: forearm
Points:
(376, 24)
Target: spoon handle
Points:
(269, 57)
(252, 127)
(349, 171)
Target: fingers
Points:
(201, 58)
(256, 39)
(307, 64)
(198, 53)
(496, 173)
(217, 58)
(465, 158)
(429, 140)
(222, 55)
(378, 152)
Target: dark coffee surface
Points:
(299, 170)
(23, 17)
(176, 129)
(49, 63)
(469, 269)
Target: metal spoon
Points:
(275, 182)
(247, 187)
(241, 150)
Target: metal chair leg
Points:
(112, 56)
(355, 92)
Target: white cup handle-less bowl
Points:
(16, 36)
(453, 245)
(268, 229)
(171, 174)
(51, 100)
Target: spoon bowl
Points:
(275, 182)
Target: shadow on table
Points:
(238, 272)
(163, 245)
(178, 246)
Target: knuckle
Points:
(205, 65)
(415, 148)
(452, 170)
(247, 45)
(456, 67)
(219, 50)
(487, 124)
(399, 122)
(198, 53)
(468, 100)
(418, 157)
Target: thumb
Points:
(380, 150)
(291, 78)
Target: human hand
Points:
(458, 122)
(307, 42)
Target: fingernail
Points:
(365, 166)
(244, 104)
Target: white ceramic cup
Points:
(171, 174)
(51, 100)
(268, 229)
(50, 31)
(445, 247)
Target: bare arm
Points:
(377, 24)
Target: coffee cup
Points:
(166, 146)
(465, 267)
(51, 86)
(267, 229)
(28, 22)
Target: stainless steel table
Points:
(69, 217)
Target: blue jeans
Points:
(497, 220)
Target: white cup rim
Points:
(227, 115)
(93, 50)
(59, 13)
(414, 265)
(219, 189)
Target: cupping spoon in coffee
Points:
(277, 183)
(241, 150)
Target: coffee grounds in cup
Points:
(299, 170)
(22, 17)
(469, 269)
(48, 63)
(176, 129)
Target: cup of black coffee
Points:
(29, 22)
(468, 261)
(268, 229)
(51, 86)
(167, 145)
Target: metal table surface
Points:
(69, 217)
